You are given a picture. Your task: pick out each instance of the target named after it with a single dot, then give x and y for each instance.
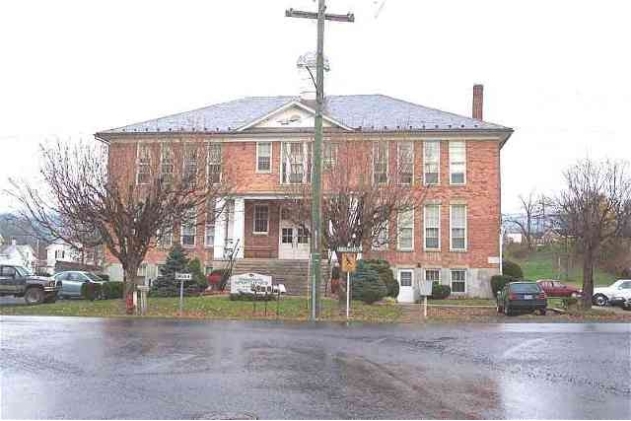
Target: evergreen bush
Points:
(499, 281)
(512, 269)
(166, 285)
(440, 292)
(366, 284)
(387, 277)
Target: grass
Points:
(542, 264)
(218, 307)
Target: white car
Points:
(603, 295)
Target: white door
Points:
(406, 286)
(294, 241)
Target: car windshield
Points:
(525, 288)
(93, 277)
(22, 271)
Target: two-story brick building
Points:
(264, 143)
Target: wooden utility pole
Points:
(316, 180)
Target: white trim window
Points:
(406, 277)
(432, 275)
(263, 157)
(457, 162)
(405, 162)
(189, 166)
(166, 163)
(431, 222)
(261, 219)
(209, 227)
(431, 162)
(165, 238)
(459, 281)
(329, 155)
(380, 162)
(143, 164)
(295, 163)
(458, 234)
(213, 168)
(405, 225)
(189, 229)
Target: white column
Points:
(239, 225)
(220, 230)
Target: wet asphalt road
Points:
(124, 368)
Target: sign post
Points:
(182, 277)
(349, 265)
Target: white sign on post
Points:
(425, 289)
(182, 277)
(250, 283)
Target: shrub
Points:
(366, 285)
(112, 290)
(626, 273)
(511, 269)
(90, 290)
(440, 292)
(385, 273)
(498, 282)
(166, 285)
(195, 268)
(104, 276)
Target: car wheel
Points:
(599, 300)
(34, 296)
(500, 309)
(507, 311)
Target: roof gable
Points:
(292, 115)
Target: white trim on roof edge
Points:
(287, 106)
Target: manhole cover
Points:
(228, 416)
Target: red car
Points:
(554, 288)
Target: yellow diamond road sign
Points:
(349, 262)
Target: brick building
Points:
(264, 143)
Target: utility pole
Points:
(316, 180)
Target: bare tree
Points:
(365, 188)
(529, 221)
(594, 207)
(126, 203)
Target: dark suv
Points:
(521, 297)
(20, 282)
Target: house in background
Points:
(264, 144)
(16, 254)
(61, 252)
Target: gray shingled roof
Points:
(365, 112)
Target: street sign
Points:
(349, 262)
(349, 249)
(183, 276)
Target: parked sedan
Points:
(554, 288)
(521, 297)
(71, 282)
(602, 295)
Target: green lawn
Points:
(290, 308)
(542, 265)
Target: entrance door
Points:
(406, 286)
(294, 241)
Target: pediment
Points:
(291, 116)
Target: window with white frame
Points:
(189, 228)
(432, 275)
(432, 227)
(406, 277)
(458, 227)
(380, 237)
(405, 223)
(189, 166)
(143, 164)
(261, 219)
(166, 163)
(431, 161)
(213, 169)
(405, 160)
(165, 237)
(458, 281)
(264, 157)
(380, 162)
(295, 163)
(457, 162)
(209, 229)
(329, 155)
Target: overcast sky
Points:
(557, 72)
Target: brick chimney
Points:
(478, 99)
